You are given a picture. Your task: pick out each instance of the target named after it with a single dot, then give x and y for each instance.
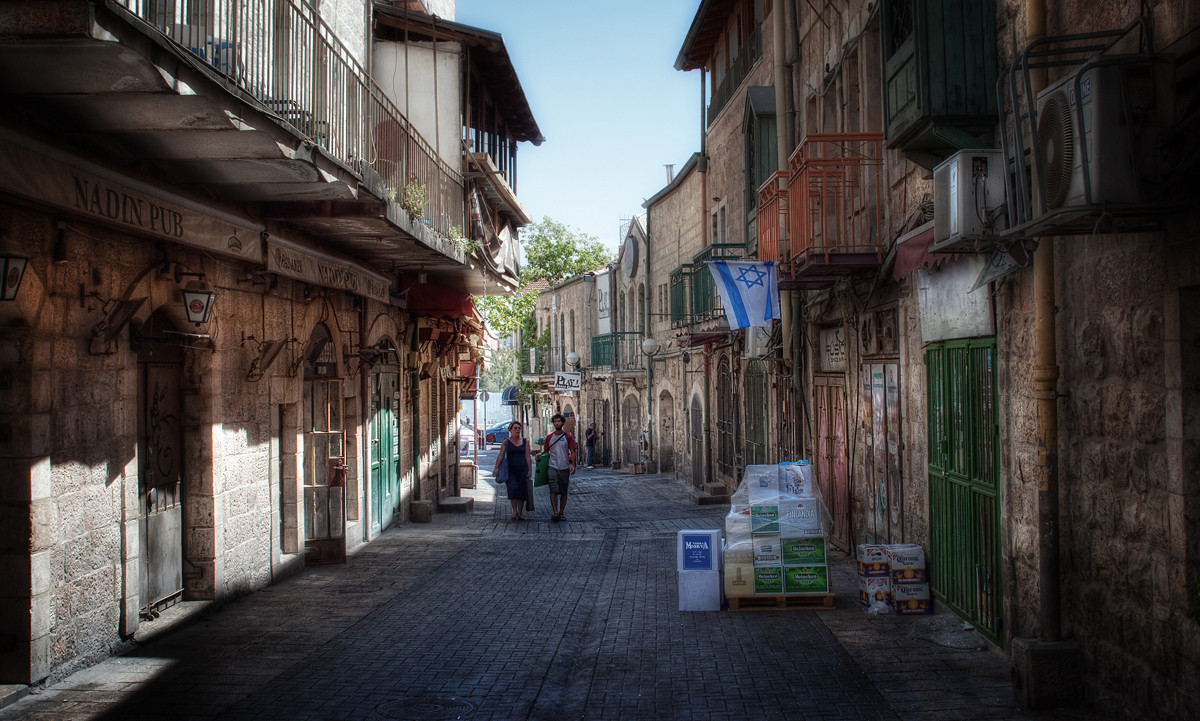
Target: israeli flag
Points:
(748, 291)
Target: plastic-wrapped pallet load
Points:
(774, 533)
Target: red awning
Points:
(440, 301)
(912, 252)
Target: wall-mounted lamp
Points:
(650, 347)
(12, 269)
(573, 359)
(198, 302)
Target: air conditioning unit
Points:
(968, 197)
(1086, 140)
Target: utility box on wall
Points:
(939, 71)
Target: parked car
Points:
(496, 434)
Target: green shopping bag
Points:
(541, 475)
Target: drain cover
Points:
(426, 708)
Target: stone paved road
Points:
(476, 618)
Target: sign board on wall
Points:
(47, 175)
(949, 309)
(567, 382)
(833, 349)
(313, 267)
(603, 302)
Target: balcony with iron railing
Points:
(296, 69)
(618, 351)
(738, 69)
(835, 204)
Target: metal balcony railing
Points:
(535, 361)
(835, 198)
(618, 351)
(738, 69)
(283, 55)
(772, 214)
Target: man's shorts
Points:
(559, 479)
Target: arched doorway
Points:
(384, 437)
(696, 440)
(600, 414)
(160, 464)
(631, 432)
(324, 452)
(756, 413)
(666, 433)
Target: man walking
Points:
(561, 447)
(589, 440)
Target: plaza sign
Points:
(564, 382)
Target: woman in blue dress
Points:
(515, 452)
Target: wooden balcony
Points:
(835, 203)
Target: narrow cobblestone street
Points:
(477, 618)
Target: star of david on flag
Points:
(748, 290)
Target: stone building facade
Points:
(1048, 480)
(230, 345)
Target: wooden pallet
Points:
(779, 601)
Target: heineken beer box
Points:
(806, 579)
(906, 563)
(872, 560)
(768, 579)
(912, 598)
(803, 551)
(764, 519)
(800, 517)
(762, 483)
(766, 550)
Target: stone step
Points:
(456, 504)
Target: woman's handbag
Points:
(541, 476)
(502, 471)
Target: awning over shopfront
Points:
(912, 252)
(509, 397)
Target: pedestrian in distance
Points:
(589, 440)
(562, 449)
(517, 456)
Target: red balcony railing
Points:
(772, 236)
(835, 205)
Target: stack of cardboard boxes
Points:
(774, 533)
(894, 577)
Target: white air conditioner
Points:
(968, 196)
(1087, 114)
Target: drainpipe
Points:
(782, 95)
(650, 440)
(1045, 376)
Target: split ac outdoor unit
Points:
(1085, 136)
(968, 196)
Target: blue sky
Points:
(601, 81)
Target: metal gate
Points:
(964, 475)
(884, 492)
(324, 454)
(666, 433)
(830, 457)
(756, 413)
(603, 419)
(160, 470)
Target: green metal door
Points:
(385, 449)
(964, 480)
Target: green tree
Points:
(553, 252)
(501, 371)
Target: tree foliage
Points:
(501, 371)
(553, 252)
